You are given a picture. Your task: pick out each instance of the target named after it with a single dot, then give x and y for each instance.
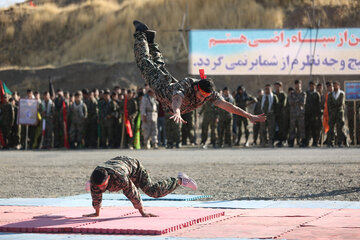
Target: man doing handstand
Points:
(127, 174)
(177, 97)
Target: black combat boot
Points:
(150, 36)
(139, 26)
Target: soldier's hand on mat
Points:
(144, 214)
(91, 215)
(177, 118)
(257, 118)
(148, 215)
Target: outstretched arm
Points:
(176, 104)
(221, 103)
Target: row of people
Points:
(295, 117)
(97, 119)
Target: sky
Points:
(8, 3)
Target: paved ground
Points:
(314, 174)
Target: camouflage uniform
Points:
(280, 115)
(133, 109)
(210, 115)
(336, 116)
(7, 119)
(148, 109)
(91, 122)
(109, 117)
(268, 127)
(320, 119)
(48, 116)
(297, 115)
(58, 123)
(312, 116)
(127, 174)
(172, 131)
(188, 128)
(152, 66)
(225, 124)
(15, 130)
(78, 117)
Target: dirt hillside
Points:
(90, 41)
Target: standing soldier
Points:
(16, 129)
(47, 115)
(336, 106)
(319, 89)
(269, 103)
(297, 101)
(257, 110)
(280, 113)
(161, 126)
(78, 113)
(59, 120)
(242, 100)
(132, 108)
(148, 109)
(312, 115)
(90, 133)
(7, 119)
(225, 121)
(210, 117)
(172, 130)
(188, 128)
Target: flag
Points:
(326, 115)
(127, 121)
(51, 88)
(137, 144)
(66, 139)
(202, 73)
(4, 90)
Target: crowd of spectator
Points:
(111, 119)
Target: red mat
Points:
(62, 221)
(169, 220)
(316, 233)
(119, 220)
(288, 212)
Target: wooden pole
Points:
(355, 130)
(26, 137)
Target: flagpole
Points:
(26, 137)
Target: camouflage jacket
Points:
(92, 108)
(313, 103)
(122, 171)
(297, 102)
(184, 88)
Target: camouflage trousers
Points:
(48, 138)
(150, 131)
(267, 129)
(152, 66)
(297, 122)
(240, 121)
(209, 121)
(188, 128)
(172, 130)
(76, 131)
(336, 119)
(225, 130)
(154, 189)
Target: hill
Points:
(60, 33)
